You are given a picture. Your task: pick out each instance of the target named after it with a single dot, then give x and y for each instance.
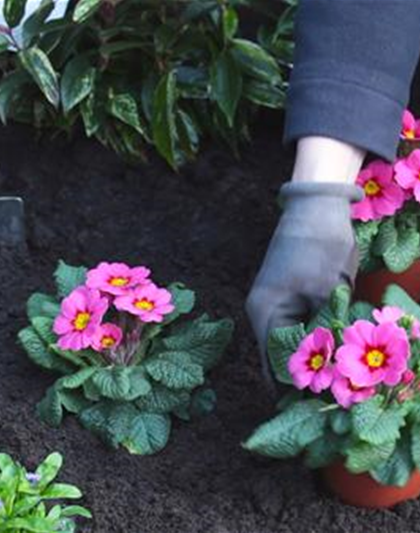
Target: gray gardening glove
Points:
(312, 251)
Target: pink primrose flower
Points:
(107, 336)
(408, 377)
(383, 197)
(310, 365)
(410, 126)
(116, 278)
(149, 302)
(80, 315)
(373, 354)
(407, 173)
(347, 393)
(389, 313)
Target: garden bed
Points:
(208, 227)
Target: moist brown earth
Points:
(207, 226)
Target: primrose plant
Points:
(24, 497)
(387, 220)
(126, 357)
(355, 388)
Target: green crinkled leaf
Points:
(85, 9)
(204, 340)
(118, 422)
(68, 278)
(340, 421)
(415, 444)
(394, 295)
(96, 418)
(203, 402)
(50, 409)
(282, 343)
(406, 250)
(360, 311)
(76, 380)
(375, 422)
(39, 352)
(77, 82)
(363, 456)
(398, 468)
(323, 451)
(386, 237)
(149, 434)
(44, 328)
(183, 299)
(175, 370)
(365, 235)
(113, 382)
(139, 384)
(74, 401)
(291, 431)
(340, 303)
(162, 400)
(38, 65)
(42, 305)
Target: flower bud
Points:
(408, 377)
(405, 395)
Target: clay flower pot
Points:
(361, 490)
(370, 286)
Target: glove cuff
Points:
(353, 193)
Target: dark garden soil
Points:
(208, 227)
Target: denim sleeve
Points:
(353, 66)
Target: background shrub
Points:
(135, 73)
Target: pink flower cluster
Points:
(110, 285)
(371, 354)
(387, 186)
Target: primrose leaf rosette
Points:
(128, 353)
(354, 380)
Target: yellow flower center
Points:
(144, 305)
(371, 188)
(118, 281)
(81, 321)
(107, 341)
(317, 361)
(409, 134)
(375, 358)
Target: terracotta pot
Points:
(361, 490)
(370, 287)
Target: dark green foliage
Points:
(392, 242)
(380, 435)
(138, 73)
(25, 498)
(128, 405)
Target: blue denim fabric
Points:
(354, 63)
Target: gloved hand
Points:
(312, 251)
